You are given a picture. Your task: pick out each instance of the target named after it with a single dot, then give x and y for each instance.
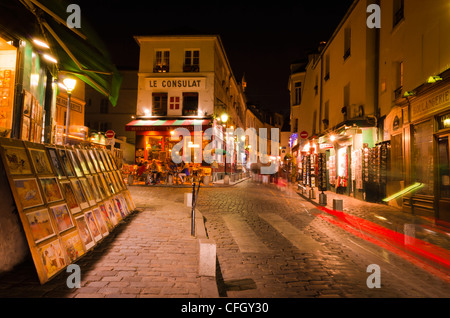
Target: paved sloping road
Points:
(272, 243)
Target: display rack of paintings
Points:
(69, 199)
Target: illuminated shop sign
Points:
(175, 82)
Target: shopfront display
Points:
(8, 55)
(60, 209)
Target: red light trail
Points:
(429, 257)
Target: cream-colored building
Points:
(183, 80)
(376, 101)
(414, 95)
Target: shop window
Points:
(161, 61)
(396, 158)
(159, 104)
(7, 76)
(190, 104)
(422, 158)
(191, 61)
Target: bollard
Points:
(338, 205)
(323, 199)
(312, 194)
(193, 210)
(226, 179)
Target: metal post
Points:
(66, 140)
(193, 210)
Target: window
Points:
(398, 11)
(191, 61)
(190, 104)
(325, 119)
(174, 102)
(297, 93)
(161, 61)
(159, 104)
(327, 67)
(398, 80)
(347, 42)
(296, 125)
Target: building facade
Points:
(373, 108)
(184, 82)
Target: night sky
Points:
(260, 39)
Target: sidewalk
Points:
(152, 254)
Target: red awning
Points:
(165, 124)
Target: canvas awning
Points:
(79, 51)
(165, 124)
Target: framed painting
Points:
(115, 209)
(27, 100)
(82, 161)
(40, 225)
(109, 182)
(110, 157)
(106, 217)
(88, 191)
(66, 162)
(85, 233)
(25, 133)
(53, 258)
(75, 163)
(69, 194)
(99, 186)
(92, 224)
(99, 160)
(56, 162)
(100, 221)
(51, 189)
(88, 160)
(73, 245)
(94, 160)
(16, 160)
(62, 217)
(95, 190)
(119, 207)
(124, 203)
(40, 161)
(111, 212)
(79, 193)
(129, 200)
(104, 184)
(104, 160)
(28, 192)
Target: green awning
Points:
(79, 51)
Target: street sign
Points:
(304, 134)
(110, 142)
(110, 134)
(326, 146)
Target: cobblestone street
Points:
(271, 244)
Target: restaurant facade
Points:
(185, 85)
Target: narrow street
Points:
(271, 243)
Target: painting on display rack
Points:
(68, 200)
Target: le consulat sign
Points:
(185, 83)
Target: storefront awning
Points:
(78, 51)
(165, 124)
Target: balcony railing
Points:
(191, 68)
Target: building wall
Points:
(102, 116)
(177, 47)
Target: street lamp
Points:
(69, 84)
(224, 119)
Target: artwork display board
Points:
(69, 199)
